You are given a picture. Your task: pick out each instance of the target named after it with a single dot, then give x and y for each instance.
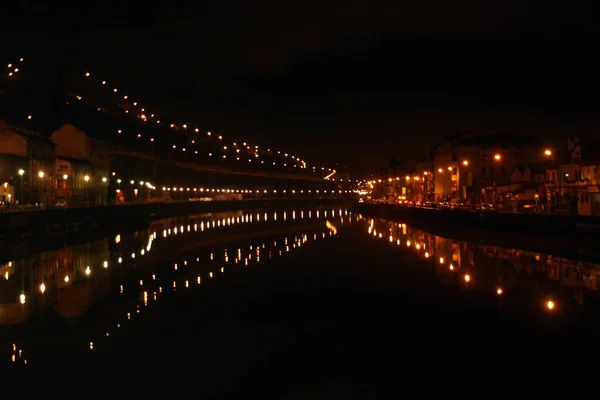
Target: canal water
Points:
(287, 303)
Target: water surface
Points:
(291, 303)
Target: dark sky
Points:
(354, 82)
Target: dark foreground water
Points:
(293, 304)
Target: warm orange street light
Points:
(548, 152)
(498, 157)
(465, 163)
(449, 168)
(440, 170)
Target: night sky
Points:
(353, 82)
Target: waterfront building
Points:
(82, 166)
(27, 165)
(470, 167)
(572, 183)
(525, 190)
(589, 193)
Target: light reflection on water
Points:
(73, 279)
(178, 254)
(50, 276)
(495, 269)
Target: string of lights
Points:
(231, 151)
(119, 183)
(189, 144)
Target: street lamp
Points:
(463, 192)
(65, 177)
(21, 173)
(41, 174)
(86, 178)
(449, 181)
(443, 180)
(497, 157)
(548, 152)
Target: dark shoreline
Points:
(582, 246)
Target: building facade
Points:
(27, 165)
(564, 182)
(589, 193)
(525, 190)
(82, 167)
(470, 167)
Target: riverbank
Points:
(560, 236)
(35, 231)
